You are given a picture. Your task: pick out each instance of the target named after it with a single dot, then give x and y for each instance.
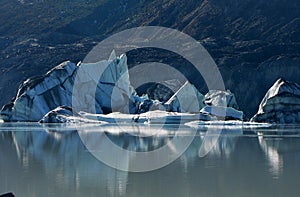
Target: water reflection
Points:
(56, 157)
(275, 148)
(60, 155)
(55, 161)
(271, 152)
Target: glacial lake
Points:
(52, 160)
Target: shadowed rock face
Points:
(281, 104)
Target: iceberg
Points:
(164, 90)
(281, 104)
(146, 105)
(65, 94)
(38, 96)
(221, 104)
(221, 98)
(186, 99)
(113, 89)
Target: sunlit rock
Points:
(281, 104)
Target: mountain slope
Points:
(252, 42)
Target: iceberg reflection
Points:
(35, 160)
(276, 148)
(269, 146)
(45, 156)
(59, 148)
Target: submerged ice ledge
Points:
(49, 99)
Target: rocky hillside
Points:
(254, 42)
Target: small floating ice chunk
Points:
(226, 112)
(65, 114)
(163, 117)
(233, 124)
(115, 117)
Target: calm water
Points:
(37, 160)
